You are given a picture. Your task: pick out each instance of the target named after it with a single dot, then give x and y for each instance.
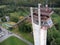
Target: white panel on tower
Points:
(36, 28)
(36, 33)
(43, 36)
(50, 23)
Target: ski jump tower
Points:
(41, 21)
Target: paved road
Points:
(7, 34)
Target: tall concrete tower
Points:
(41, 21)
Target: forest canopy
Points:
(31, 2)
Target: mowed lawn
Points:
(13, 41)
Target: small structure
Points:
(41, 21)
(7, 18)
(0, 20)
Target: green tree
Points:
(53, 36)
(14, 18)
(25, 27)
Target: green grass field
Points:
(27, 36)
(13, 41)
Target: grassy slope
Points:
(13, 41)
(27, 36)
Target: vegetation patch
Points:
(13, 41)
